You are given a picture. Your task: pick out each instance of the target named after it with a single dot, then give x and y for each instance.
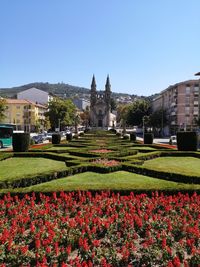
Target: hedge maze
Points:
(100, 152)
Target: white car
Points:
(173, 140)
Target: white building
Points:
(35, 95)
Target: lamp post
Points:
(198, 74)
(143, 126)
(59, 125)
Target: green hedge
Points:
(6, 155)
(176, 177)
(148, 138)
(133, 137)
(69, 137)
(42, 178)
(20, 142)
(187, 141)
(56, 138)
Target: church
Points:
(100, 108)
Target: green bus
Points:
(6, 133)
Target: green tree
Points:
(137, 111)
(2, 109)
(61, 113)
(122, 112)
(158, 120)
(113, 104)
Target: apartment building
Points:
(35, 95)
(181, 102)
(26, 115)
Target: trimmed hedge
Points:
(133, 137)
(69, 136)
(56, 138)
(20, 142)
(187, 141)
(148, 138)
(175, 177)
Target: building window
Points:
(187, 110)
(187, 90)
(18, 114)
(18, 107)
(187, 100)
(18, 121)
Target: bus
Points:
(6, 133)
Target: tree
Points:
(158, 120)
(61, 113)
(137, 111)
(85, 117)
(2, 109)
(113, 104)
(122, 112)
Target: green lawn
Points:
(13, 168)
(183, 165)
(112, 181)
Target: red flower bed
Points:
(78, 229)
(106, 162)
(101, 150)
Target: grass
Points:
(183, 165)
(113, 181)
(13, 168)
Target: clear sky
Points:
(144, 45)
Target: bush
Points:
(20, 142)
(133, 137)
(56, 138)
(148, 138)
(126, 137)
(187, 141)
(81, 134)
(76, 136)
(112, 131)
(118, 134)
(69, 136)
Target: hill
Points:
(56, 89)
(62, 90)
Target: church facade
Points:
(100, 108)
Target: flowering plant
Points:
(106, 162)
(81, 229)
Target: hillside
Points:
(62, 90)
(57, 89)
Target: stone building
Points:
(100, 109)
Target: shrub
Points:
(20, 142)
(126, 137)
(112, 131)
(133, 137)
(118, 134)
(81, 134)
(148, 138)
(187, 141)
(76, 136)
(69, 136)
(56, 138)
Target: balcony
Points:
(196, 103)
(173, 113)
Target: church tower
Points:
(100, 110)
(93, 95)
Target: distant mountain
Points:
(62, 90)
(56, 89)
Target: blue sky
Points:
(144, 45)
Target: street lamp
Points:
(59, 125)
(143, 126)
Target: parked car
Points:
(38, 139)
(173, 140)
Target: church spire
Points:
(93, 84)
(108, 85)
